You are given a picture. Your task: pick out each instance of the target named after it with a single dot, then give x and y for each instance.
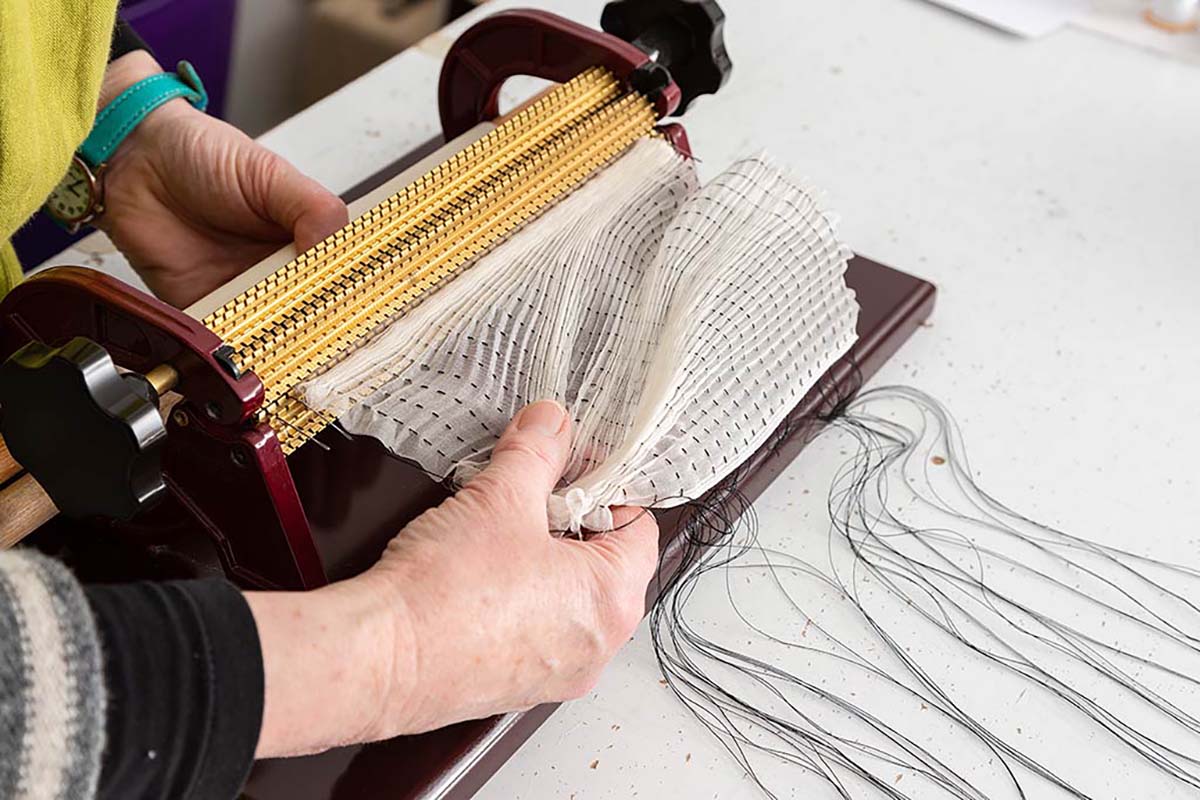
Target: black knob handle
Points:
(91, 436)
(685, 36)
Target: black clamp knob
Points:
(91, 436)
(685, 36)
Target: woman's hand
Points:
(192, 201)
(474, 609)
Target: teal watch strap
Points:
(131, 106)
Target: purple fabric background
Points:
(200, 31)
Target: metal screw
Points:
(180, 417)
(238, 457)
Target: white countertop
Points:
(1050, 188)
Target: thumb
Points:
(532, 453)
(623, 562)
(631, 547)
(300, 205)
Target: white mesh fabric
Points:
(678, 326)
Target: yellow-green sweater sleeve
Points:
(52, 57)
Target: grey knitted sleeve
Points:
(52, 715)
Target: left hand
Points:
(192, 201)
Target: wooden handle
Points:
(24, 507)
(9, 468)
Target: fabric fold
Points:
(678, 325)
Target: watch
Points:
(79, 197)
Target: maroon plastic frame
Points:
(528, 42)
(226, 471)
(139, 331)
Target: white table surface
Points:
(1050, 188)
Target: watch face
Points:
(74, 197)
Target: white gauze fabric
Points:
(677, 325)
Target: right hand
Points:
(479, 609)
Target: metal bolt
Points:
(180, 417)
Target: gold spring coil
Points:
(309, 313)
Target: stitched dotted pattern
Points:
(678, 326)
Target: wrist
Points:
(135, 165)
(124, 72)
(334, 665)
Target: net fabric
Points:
(678, 325)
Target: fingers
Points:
(300, 205)
(632, 543)
(622, 562)
(630, 518)
(531, 455)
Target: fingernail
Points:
(545, 417)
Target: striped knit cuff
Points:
(52, 702)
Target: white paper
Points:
(1029, 18)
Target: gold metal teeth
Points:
(308, 314)
(412, 205)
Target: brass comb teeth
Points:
(310, 312)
